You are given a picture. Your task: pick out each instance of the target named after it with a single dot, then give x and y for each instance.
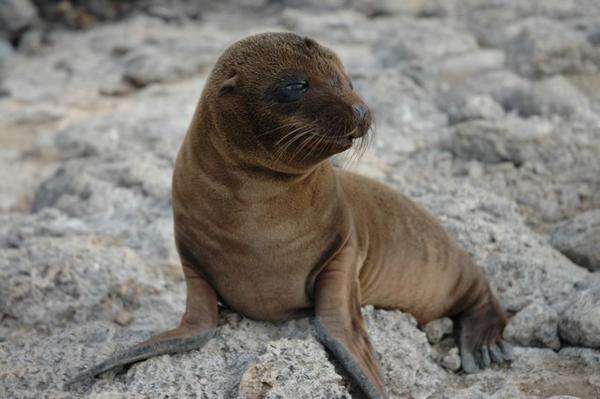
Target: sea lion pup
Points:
(265, 225)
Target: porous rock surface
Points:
(487, 113)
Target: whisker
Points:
(275, 129)
(287, 145)
(288, 134)
(307, 137)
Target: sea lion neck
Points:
(211, 156)
(241, 152)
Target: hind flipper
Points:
(480, 336)
(197, 326)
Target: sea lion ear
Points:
(228, 85)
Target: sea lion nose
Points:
(360, 111)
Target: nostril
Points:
(360, 111)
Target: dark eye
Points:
(299, 86)
(291, 92)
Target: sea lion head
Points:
(283, 101)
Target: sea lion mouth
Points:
(331, 143)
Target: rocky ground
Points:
(487, 113)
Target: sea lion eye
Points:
(298, 86)
(290, 92)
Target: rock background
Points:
(487, 113)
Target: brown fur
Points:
(264, 223)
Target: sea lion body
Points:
(267, 226)
(270, 240)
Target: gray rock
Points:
(17, 229)
(109, 196)
(16, 16)
(49, 283)
(456, 68)
(374, 8)
(535, 373)
(557, 95)
(580, 322)
(542, 47)
(452, 360)
(403, 354)
(149, 65)
(407, 118)
(593, 280)
(464, 108)
(441, 8)
(318, 5)
(6, 51)
(514, 140)
(339, 27)
(579, 239)
(31, 42)
(16, 194)
(437, 329)
(553, 95)
(502, 86)
(245, 358)
(421, 41)
(535, 325)
(289, 368)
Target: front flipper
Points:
(197, 326)
(340, 325)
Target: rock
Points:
(17, 229)
(374, 8)
(289, 368)
(542, 47)
(458, 67)
(437, 329)
(580, 322)
(49, 283)
(579, 239)
(504, 87)
(464, 108)
(317, 5)
(6, 51)
(553, 95)
(109, 195)
(593, 280)
(452, 360)
(15, 17)
(338, 27)
(123, 318)
(407, 119)
(514, 140)
(556, 95)
(148, 66)
(16, 194)
(421, 41)
(440, 8)
(535, 325)
(403, 354)
(31, 42)
(528, 376)
(84, 13)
